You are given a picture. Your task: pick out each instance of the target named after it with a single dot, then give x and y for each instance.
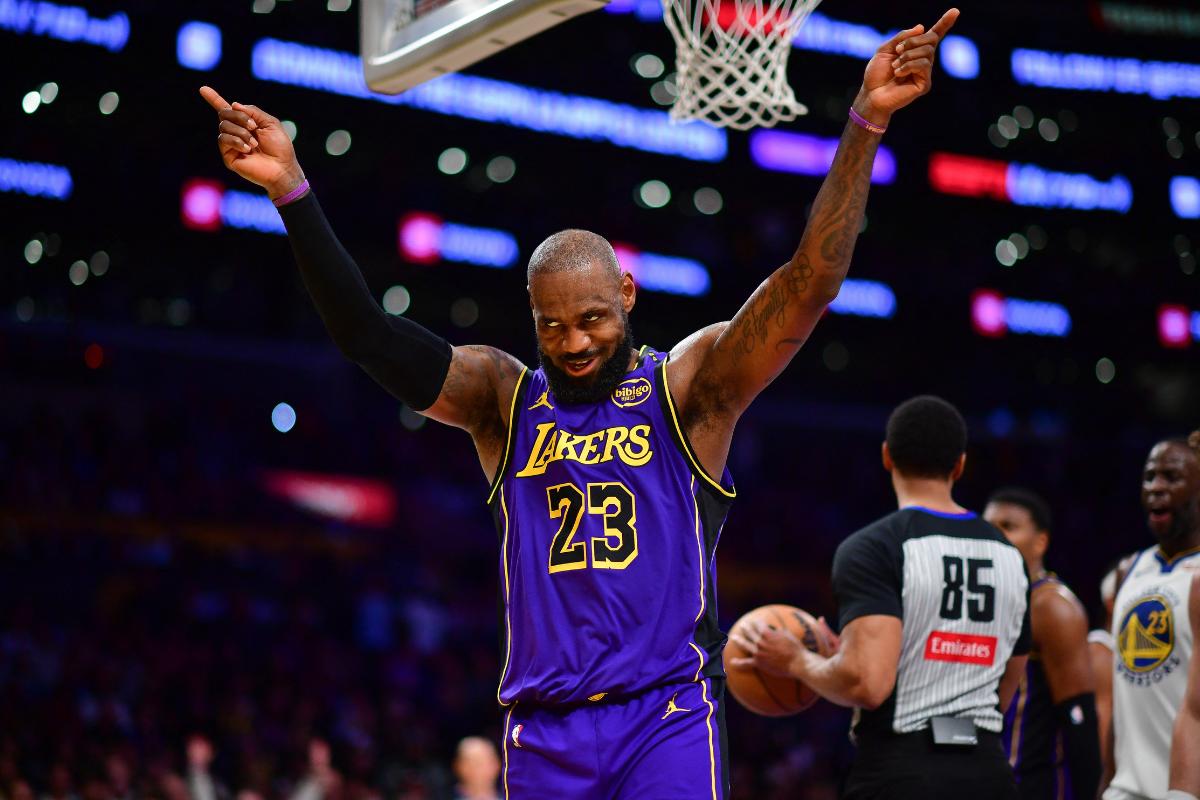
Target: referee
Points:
(933, 608)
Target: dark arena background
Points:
(212, 524)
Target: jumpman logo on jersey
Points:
(672, 708)
(544, 400)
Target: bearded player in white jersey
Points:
(1151, 625)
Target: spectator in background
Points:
(322, 782)
(61, 787)
(476, 766)
(120, 777)
(201, 785)
(173, 787)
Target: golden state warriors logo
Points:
(631, 392)
(1147, 635)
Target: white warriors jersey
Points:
(1154, 646)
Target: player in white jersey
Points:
(933, 605)
(1101, 650)
(1150, 624)
(1185, 745)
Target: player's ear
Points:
(1042, 543)
(888, 464)
(628, 292)
(959, 468)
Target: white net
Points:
(731, 60)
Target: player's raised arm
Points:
(777, 319)
(468, 387)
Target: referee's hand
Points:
(771, 649)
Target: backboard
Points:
(407, 42)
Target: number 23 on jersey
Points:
(615, 549)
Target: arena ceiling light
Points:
(1185, 197)
(206, 205)
(350, 499)
(804, 154)
(1028, 184)
(494, 101)
(65, 23)
(1178, 326)
(35, 179)
(198, 45)
(1161, 80)
(862, 298)
(993, 315)
(425, 238)
(662, 273)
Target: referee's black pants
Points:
(910, 766)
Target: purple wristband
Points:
(862, 122)
(292, 195)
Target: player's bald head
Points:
(581, 252)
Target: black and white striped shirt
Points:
(962, 592)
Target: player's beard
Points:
(1184, 523)
(576, 391)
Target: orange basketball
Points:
(771, 695)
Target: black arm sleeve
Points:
(403, 357)
(1076, 719)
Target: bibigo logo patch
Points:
(631, 392)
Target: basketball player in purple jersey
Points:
(609, 485)
(1051, 732)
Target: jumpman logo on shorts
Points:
(544, 400)
(672, 708)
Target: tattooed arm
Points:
(717, 372)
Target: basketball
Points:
(772, 695)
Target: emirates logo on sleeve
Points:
(961, 648)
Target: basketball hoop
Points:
(731, 60)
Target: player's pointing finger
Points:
(215, 100)
(946, 22)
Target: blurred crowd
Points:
(169, 631)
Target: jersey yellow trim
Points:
(712, 757)
(687, 448)
(1171, 560)
(507, 613)
(509, 436)
(1014, 745)
(507, 733)
(699, 549)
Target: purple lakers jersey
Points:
(1033, 739)
(608, 527)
